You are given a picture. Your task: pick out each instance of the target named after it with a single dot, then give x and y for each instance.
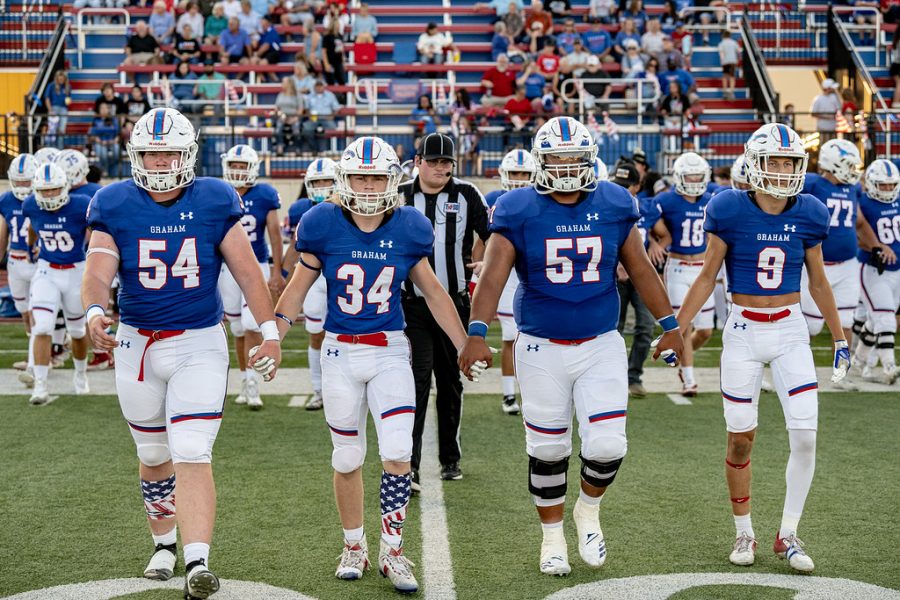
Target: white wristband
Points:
(94, 310)
(269, 331)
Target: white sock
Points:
(41, 372)
(315, 368)
(589, 500)
(688, 374)
(167, 539)
(196, 551)
(80, 364)
(59, 336)
(30, 350)
(798, 476)
(554, 532)
(509, 385)
(742, 524)
(246, 375)
(353, 536)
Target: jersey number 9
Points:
(771, 268)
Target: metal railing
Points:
(765, 98)
(574, 95)
(82, 26)
(235, 94)
(366, 93)
(815, 24)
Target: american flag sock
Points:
(394, 500)
(159, 498)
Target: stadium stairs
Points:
(25, 31)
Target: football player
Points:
(240, 169)
(880, 274)
(45, 155)
(517, 169)
(58, 222)
(319, 186)
(20, 265)
(365, 247)
(739, 174)
(565, 235)
(166, 234)
(680, 229)
(765, 237)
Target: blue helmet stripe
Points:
(367, 151)
(21, 165)
(158, 121)
(520, 157)
(47, 172)
(564, 130)
(237, 151)
(785, 137)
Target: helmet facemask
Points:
(369, 204)
(240, 177)
(51, 202)
(780, 185)
(508, 182)
(20, 188)
(179, 174)
(319, 193)
(882, 181)
(566, 171)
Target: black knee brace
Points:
(866, 337)
(885, 340)
(599, 474)
(550, 482)
(857, 326)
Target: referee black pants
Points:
(432, 351)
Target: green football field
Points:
(71, 510)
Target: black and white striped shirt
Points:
(457, 213)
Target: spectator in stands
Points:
(520, 110)
(825, 106)
(364, 24)
(548, 60)
(787, 116)
(115, 105)
(303, 81)
(249, 20)
(333, 54)
(599, 42)
(501, 41)
(234, 44)
(498, 84)
(729, 53)
(462, 101)
(289, 109)
(466, 139)
(424, 118)
(594, 92)
(537, 39)
(57, 98)
(565, 40)
(104, 139)
(849, 107)
(142, 48)
(650, 88)
(627, 32)
(500, 7)
(191, 16)
(537, 14)
(267, 49)
(432, 44)
(186, 47)
(514, 20)
(685, 81)
(652, 40)
(633, 61)
(323, 107)
(79, 4)
(670, 53)
(162, 23)
(674, 106)
(575, 61)
(135, 107)
(602, 11)
(312, 47)
(210, 89)
(669, 16)
(560, 9)
(232, 8)
(335, 12)
(533, 81)
(635, 12)
(183, 88)
(895, 67)
(299, 13)
(215, 24)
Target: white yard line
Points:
(298, 401)
(436, 561)
(679, 400)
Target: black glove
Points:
(876, 259)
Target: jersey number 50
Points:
(559, 268)
(771, 268)
(185, 266)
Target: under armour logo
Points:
(331, 352)
(593, 216)
(187, 215)
(532, 347)
(791, 228)
(739, 326)
(124, 344)
(386, 243)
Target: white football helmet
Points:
(75, 164)
(45, 155)
(517, 161)
(687, 165)
(883, 173)
(841, 159)
(50, 176)
(739, 173)
(564, 137)
(243, 176)
(368, 156)
(163, 130)
(20, 173)
(321, 169)
(600, 170)
(769, 141)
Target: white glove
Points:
(669, 356)
(841, 361)
(477, 368)
(263, 366)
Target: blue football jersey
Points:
(566, 257)
(364, 271)
(842, 201)
(257, 202)
(60, 233)
(169, 255)
(649, 216)
(885, 220)
(16, 222)
(87, 189)
(765, 252)
(492, 196)
(684, 220)
(296, 212)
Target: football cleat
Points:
(354, 560)
(637, 390)
(887, 376)
(591, 545)
(242, 395)
(846, 384)
(555, 558)
(80, 380)
(791, 548)
(415, 487)
(162, 564)
(689, 390)
(253, 399)
(397, 568)
(744, 551)
(315, 402)
(767, 385)
(509, 405)
(101, 362)
(40, 395)
(451, 472)
(27, 378)
(20, 365)
(60, 356)
(199, 582)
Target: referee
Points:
(458, 213)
